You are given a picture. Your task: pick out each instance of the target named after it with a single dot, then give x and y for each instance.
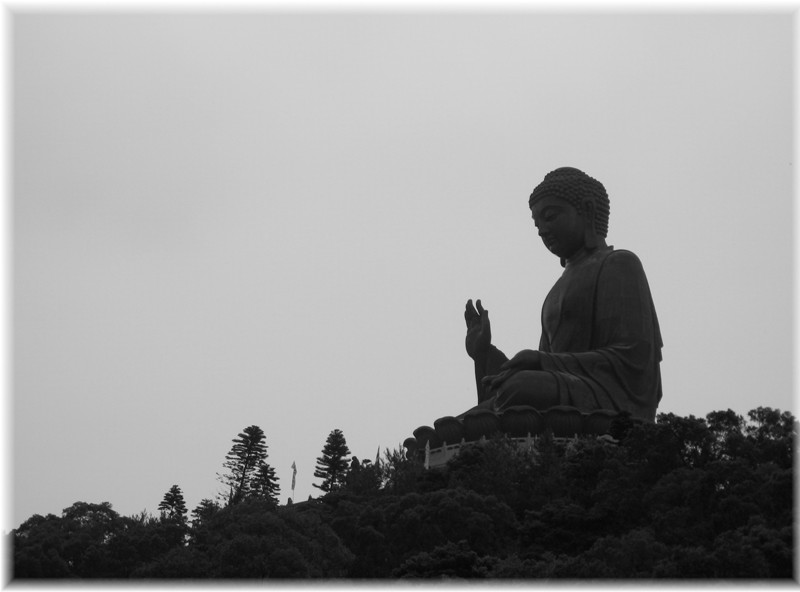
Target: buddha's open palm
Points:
(479, 330)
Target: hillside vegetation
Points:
(684, 497)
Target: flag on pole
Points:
(294, 474)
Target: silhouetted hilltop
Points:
(684, 497)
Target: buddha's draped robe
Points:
(600, 338)
(600, 335)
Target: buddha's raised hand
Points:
(479, 330)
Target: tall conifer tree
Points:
(332, 465)
(265, 484)
(248, 453)
(173, 506)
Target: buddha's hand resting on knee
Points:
(527, 359)
(495, 381)
(479, 330)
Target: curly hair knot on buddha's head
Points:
(575, 186)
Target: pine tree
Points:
(332, 465)
(265, 484)
(173, 506)
(201, 517)
(247, 454)
(204, 511)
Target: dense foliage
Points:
(682, 498)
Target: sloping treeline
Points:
(684, 497)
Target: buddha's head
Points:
(571, 211)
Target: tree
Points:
(399, 473)
(173, 517)
(332, 465)
(201, 516)
(363, 477)
(265, 484)
(173, 506)
(247, 454)
(773, 433)
(695, 441)
(450, 560)
(254, 540)
(204, 511)
(78, 544)
(727, 428)
(37, 548)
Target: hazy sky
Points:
(270, 218)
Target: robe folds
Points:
(600, 335)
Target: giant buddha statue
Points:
(600, 347)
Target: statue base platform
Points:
(438, 444)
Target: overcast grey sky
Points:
(276, 219)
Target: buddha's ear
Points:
(589, 236)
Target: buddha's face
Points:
(560, 225)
